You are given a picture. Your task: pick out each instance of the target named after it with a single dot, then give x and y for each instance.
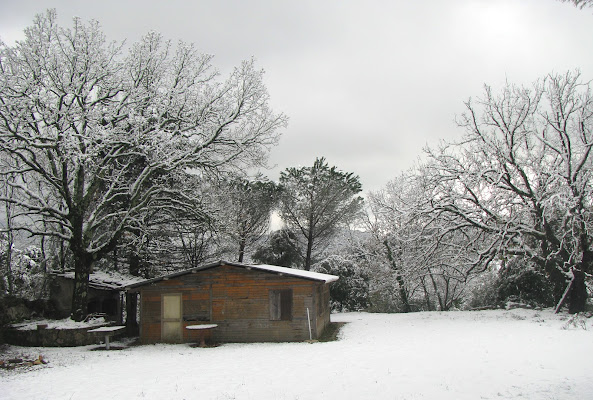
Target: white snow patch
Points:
(496, 354)
(296, 272)
(109, 279)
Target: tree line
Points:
(134, 160)
(513, 195)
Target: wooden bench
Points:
(202, 329)
(108, 331)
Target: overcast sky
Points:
(367, 84)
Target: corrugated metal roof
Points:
(297, 273)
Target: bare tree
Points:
(580, 3)
(247, 208)
(96, 134)
(315, 200)
(430, 254)
(522, 174)
(389, 208)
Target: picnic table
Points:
(108, 331)
(202, 329)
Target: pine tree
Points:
(316, 200)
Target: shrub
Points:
(351, 291)
(523, 282)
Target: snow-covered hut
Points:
(105, 293)
(248, 303)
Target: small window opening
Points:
(280, 305)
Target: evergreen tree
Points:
(280, 249)
(316, 200)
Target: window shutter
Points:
(274, 298)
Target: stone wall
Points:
(13, 310)
(52, 337)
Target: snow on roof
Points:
(107, 280)
(61, 324)
(296, 272)
(316, 276)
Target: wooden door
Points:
(171, 325)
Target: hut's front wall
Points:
(238, 300)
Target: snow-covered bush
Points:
(351, 291)
(26, 272)
(523, 282)
(385, 299)
(518, 281)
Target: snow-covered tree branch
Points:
(95, 134)
(522, 173)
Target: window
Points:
(280, 305)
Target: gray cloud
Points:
(366, 84)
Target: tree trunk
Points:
(241, 250)
(577, 300)
(403, 293)
(134, 265)
(436, 290)
(9, 242)
(577, 296)
(131, 309)
(556, 277)
(115, 261)
(62, 260)
(309, 252)
(426, 294)
(82, 267)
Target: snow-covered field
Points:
(456, 355)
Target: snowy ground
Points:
(456, 355)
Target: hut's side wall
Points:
(238, 300)
(323, 308)
(99, 300)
